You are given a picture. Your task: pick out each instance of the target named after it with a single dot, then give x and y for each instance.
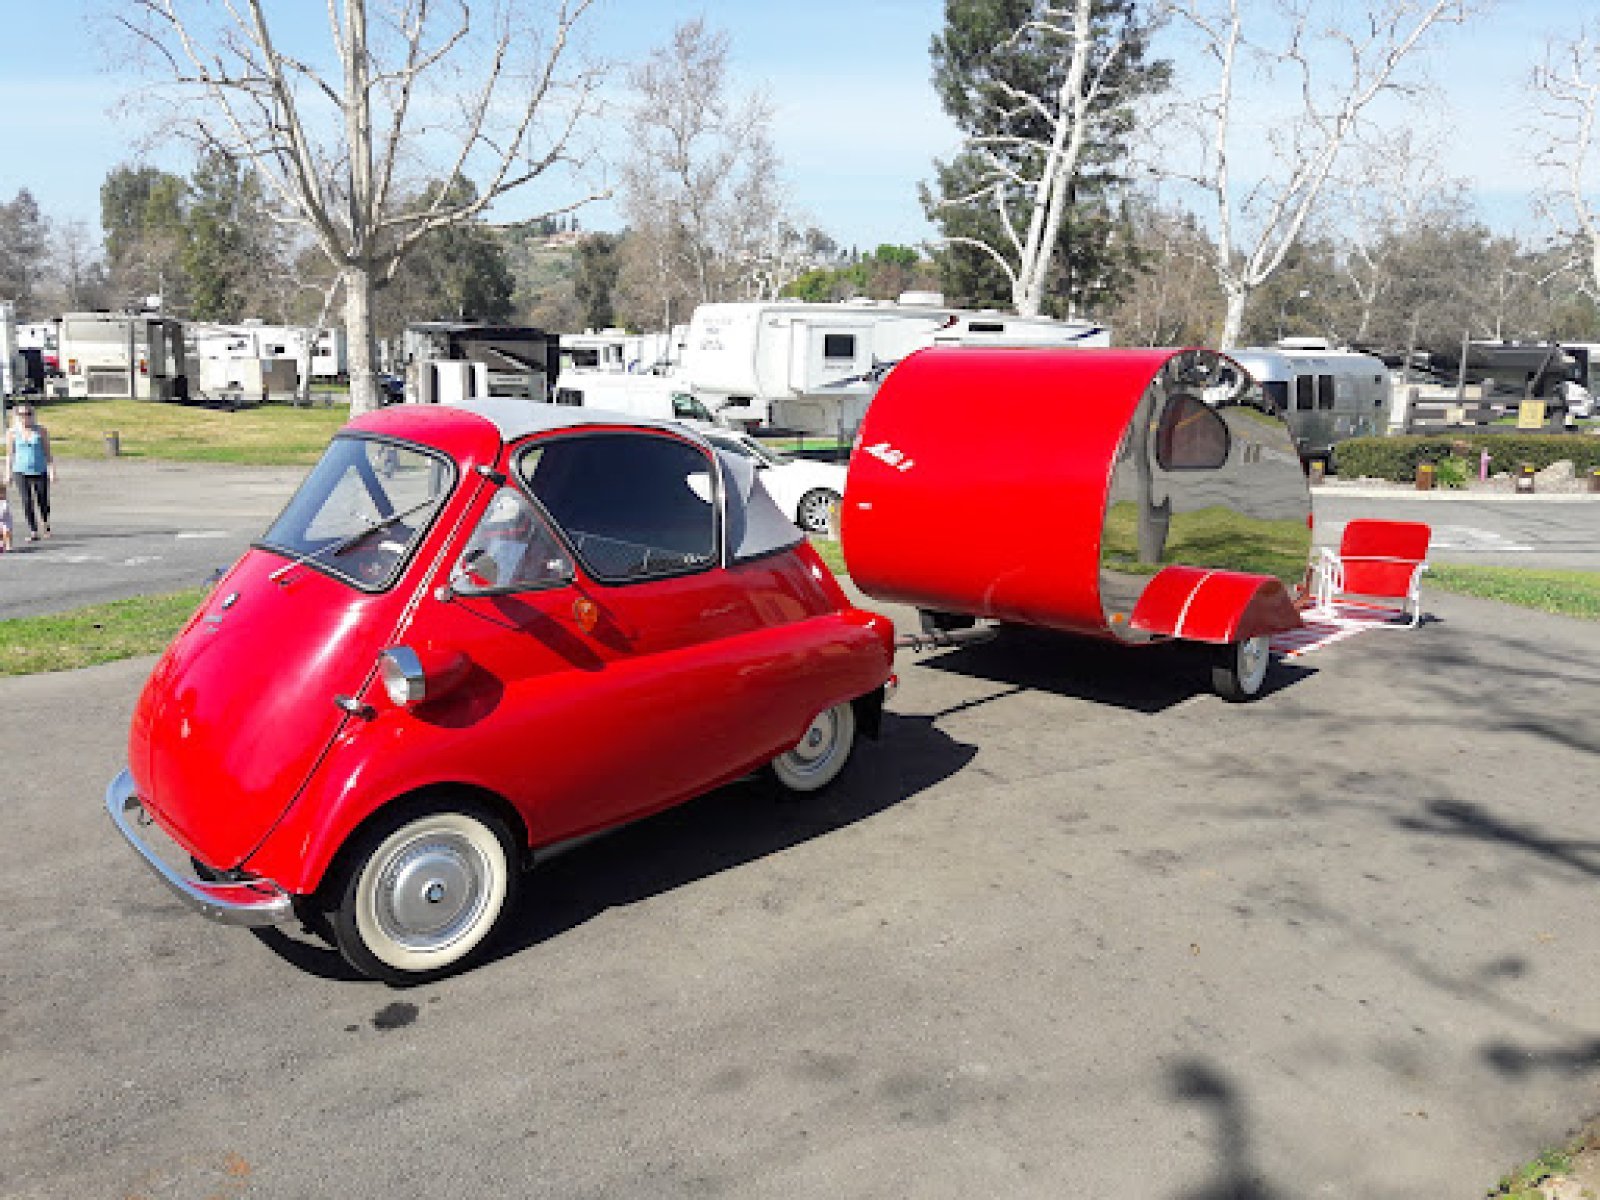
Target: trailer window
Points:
(1305, 391)
(1276, 393)
(632, 506)
(1192, 436)
(1325, 392)
(839, 345)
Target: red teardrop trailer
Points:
(1130, 494)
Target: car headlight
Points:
(403, 676)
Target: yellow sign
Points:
(1530, 415)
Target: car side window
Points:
(632, 505)
(512, 550)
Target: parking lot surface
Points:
(1073, 927)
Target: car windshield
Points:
(362, 510)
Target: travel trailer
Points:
(274, 343)
(815, 367)
(617, 351)
(1326, 395)
(112, 355)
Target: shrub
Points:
(1396, 458)
(1452, 472)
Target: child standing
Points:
(5, 519)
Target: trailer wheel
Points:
(821, 753)
(1239, 670)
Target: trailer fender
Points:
(1204, 605)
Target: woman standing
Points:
(31, 467)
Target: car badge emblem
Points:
(231, 600)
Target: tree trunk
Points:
(363, 348)
(1233, 322)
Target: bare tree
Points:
(475, 85)
(1398, 186)
(1336, 71)
(700, 188)
(1028, 177)
(1567, 91)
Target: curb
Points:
(1402, 492)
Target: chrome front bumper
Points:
(251, 902)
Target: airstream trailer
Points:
(1134, 495)
(1326, 395)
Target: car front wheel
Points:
(819, 756)
(814, 513)
(421, 891)
(1239, 671)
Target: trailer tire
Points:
(1239, 669)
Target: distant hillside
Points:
(543, 266)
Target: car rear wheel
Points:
(814, 513)
(1239, 671)
(421, 891)
(819, 756)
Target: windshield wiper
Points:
(349, 540)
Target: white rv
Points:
(657, 396)
(616, 351)
(251, 339)
(1325, 394)
(815, 367)
(110, 355)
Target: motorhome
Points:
(122, 355)
(1326, 394)
(519, 361)
(815, 367)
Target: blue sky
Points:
(856, 123)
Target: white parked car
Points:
(808, 492)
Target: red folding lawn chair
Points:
(1374, 579)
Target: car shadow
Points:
(737, 824)
(1146, 679)
(725, 829)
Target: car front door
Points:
(618, 660)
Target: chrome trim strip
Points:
(259, 902)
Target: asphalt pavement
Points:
(1074, 927)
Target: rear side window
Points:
(1192, 436)
(632, 505)
(1277, 395)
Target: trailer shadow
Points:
(1145, 679)
(737, 824)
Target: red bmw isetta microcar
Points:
(477, 632)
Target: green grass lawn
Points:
(273, 435)
(1566, 593)
(98, 634)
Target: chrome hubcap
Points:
(431, 892)
(817, 743)
(1253, 659)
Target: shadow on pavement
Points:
(734, 825)
(1146, 679)
(1202, 1085)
